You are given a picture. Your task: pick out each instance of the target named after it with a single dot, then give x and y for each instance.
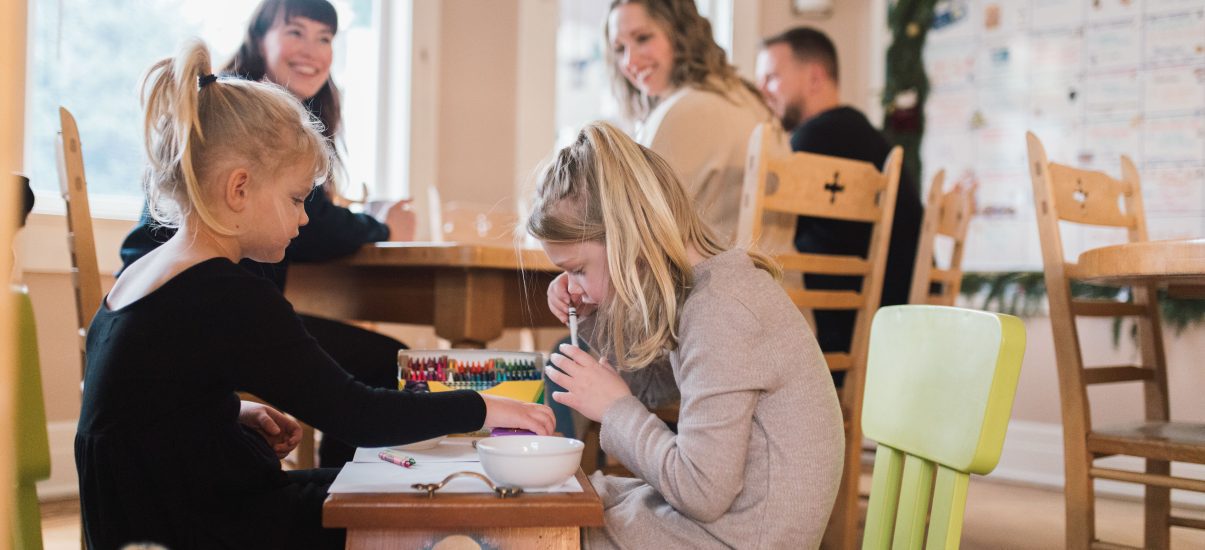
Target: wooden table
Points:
(468, 292)
(1177, 264)
(408, 520)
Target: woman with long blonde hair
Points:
(675, 85)
(757, 455)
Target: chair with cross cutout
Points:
(1065, 194)
(783, 185)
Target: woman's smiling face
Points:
(297, 55)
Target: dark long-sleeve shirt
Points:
(160, 452)
(333, 232)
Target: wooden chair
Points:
(804, 184)
(1063, 193)
(921, 356)
(33, 444)
(947, 214)
(85, 272)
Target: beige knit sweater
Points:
(758, 453)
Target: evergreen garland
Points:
(1022, 293)
(907, 86)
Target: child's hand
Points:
(401, 220)
(501, 412)
(278, 429)
(560, 298)
(592, 386)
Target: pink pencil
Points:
(394, 458)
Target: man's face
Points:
(782, 80)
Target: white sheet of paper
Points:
(382, 477)
(451, 449)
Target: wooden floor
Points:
(998, 516)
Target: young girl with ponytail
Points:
(166, 452)
(757, 456)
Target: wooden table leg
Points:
(536, 538)
(469, 306)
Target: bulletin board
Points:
(1093, 79)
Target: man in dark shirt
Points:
(797, 74)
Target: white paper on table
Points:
(383, 477)
(451, 449)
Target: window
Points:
(89, 57)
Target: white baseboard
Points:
(1033, 454)
(63, 480)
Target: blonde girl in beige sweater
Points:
(757, 455)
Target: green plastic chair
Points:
(940, 383)
(33, 444)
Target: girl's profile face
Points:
(586, 265)
(297, 55)
(642, 49)
(277, 212)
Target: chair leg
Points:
(1081, 504)
(842, 531)
(29, 517)
(590, 452)
(306, 448)
(1158, 508)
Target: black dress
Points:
(333, 232)
(844, 132)
(160, 453)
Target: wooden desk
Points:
(468, 292)
(407, 520)
(1177, 264)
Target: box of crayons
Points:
(514, 374)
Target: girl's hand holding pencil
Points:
(591, 386)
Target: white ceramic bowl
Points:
(530, 461)
(422, 445)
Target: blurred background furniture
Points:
(33, 443)
(947, 216)
(1066, 194)
(85, 273)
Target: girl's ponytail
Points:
(196, 121)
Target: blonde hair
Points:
(607, 188)
(194, 130)
(698, 61)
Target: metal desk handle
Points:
(502, 492)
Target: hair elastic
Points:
(207, 79)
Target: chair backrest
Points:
(947, 214)
(1085, 197)
(804, 184)
(1064, 193)
(33, 444)
(85, 272)
(940, 383)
